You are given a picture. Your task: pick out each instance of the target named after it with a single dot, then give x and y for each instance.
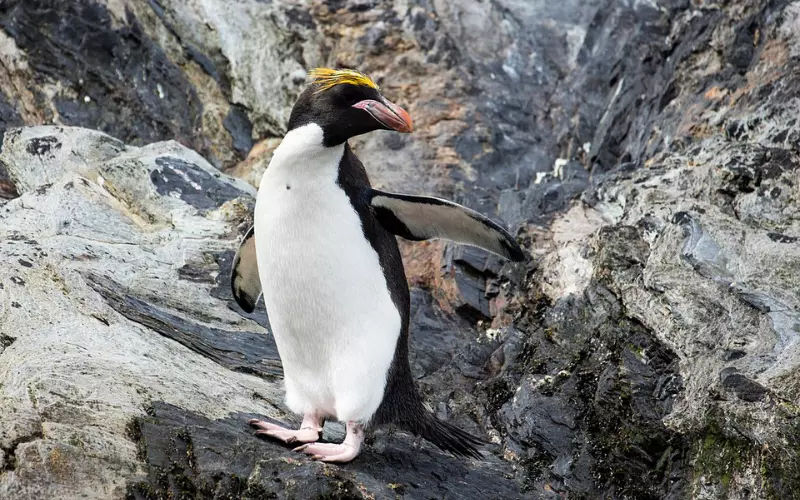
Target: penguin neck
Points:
(303, 152)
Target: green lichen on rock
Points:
(734, 466)
(780, 467)
(718, 456)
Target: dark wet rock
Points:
(782, 238)
(542, 421)
(194, 185)
(6, 340)
(744, 388)
(246, 352)
(437, 335)
(188, 454)
(40, 146)
(476, 274)
(8, 115)
(240, 128)
(593, 389)
(115, 78)
(472, 290)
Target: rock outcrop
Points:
(645, 153)
(127, 369)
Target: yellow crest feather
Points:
(327, 78)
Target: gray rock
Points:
(644, 152)
(92, 300)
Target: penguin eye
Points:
(349, 95)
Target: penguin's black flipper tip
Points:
(451, 439)
(512, 249)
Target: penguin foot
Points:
(302, 435)
(342, 452)
(329, 452)
(310, 430)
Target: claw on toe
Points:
(262, 424)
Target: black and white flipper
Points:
(425, 217)
(245, 284)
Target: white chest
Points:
(324, 289)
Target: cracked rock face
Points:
(645, 153)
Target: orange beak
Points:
(388, 114)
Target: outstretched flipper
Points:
(245, 283)
(424, 217)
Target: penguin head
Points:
(346, 103)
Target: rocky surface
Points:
(645, 152)
(127, 370)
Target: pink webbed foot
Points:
(309, 430)
(289, 436)
(342, 452)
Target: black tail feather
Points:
(450, 438)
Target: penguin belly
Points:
(334, 322)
